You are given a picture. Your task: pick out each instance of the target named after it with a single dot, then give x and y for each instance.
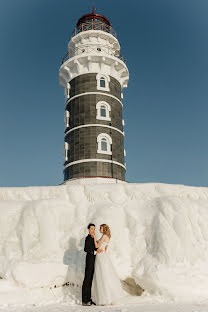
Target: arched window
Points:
(104, 144)
(103, 111)
(103, 82)
(67, 119)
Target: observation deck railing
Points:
(93, 25)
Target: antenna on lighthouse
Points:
(93, 7)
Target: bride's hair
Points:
(106, 230)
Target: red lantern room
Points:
(93, 21)
(93, 17)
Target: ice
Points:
(159, 238)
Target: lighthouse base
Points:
(93, 180)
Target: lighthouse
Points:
(93, 74)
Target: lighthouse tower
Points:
(93, 75)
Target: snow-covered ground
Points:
(159, 241)
(139, 307)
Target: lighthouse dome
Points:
(93, 17)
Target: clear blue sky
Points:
(165, 43)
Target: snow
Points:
(159, 240)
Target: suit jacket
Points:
(89, 245)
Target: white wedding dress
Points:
(106, 286)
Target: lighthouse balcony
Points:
(92, 49)
(93, 24)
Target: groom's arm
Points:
(95, 250)
(88, 246)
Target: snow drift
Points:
(159, 235)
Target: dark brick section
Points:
(88, 83)
(83, 144)
(94, 169)
(83, 111)
(83, 141)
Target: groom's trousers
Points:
(87, 283)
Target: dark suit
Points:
(89, 248)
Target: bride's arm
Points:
(99, 242)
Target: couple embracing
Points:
(100, 278)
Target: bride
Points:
(106, 286)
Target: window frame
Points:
(109, 143)
(107, 80)
(67, 119)
(108, 109)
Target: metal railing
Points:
(88, 49)
(93, 25)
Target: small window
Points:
(103, 111)
(66, 150)
(104, 144)
(66, 155)
(102, 82)
(67, 91)
(67, 119)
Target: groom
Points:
(91, 251)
